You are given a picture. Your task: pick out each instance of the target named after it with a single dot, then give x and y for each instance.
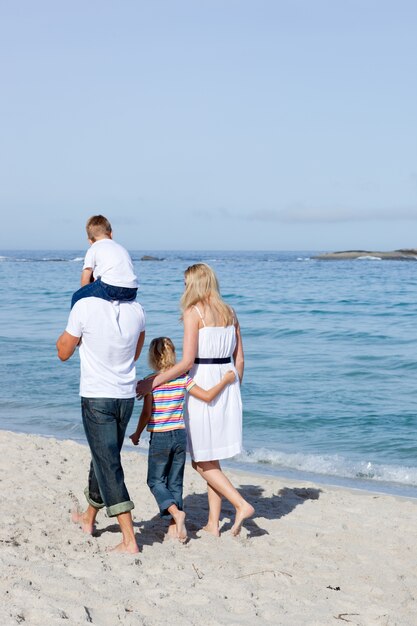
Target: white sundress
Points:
(214, 429)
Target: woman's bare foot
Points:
(242, 513)
(83, 520)
(212, 529)
(128, 548)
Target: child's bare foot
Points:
(83, 520)
(242, 513)
(178, 518)
(212, 529)
(180, 526)
(128, 548)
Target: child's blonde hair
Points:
(161, 354)
(201, 285)
(98, 226)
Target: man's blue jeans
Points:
(98, 289)
(166, 461)
(105, 421)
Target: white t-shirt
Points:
(111, 262)
(110, 332)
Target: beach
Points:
(313, 555)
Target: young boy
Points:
(108, 270)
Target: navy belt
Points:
(226, 359)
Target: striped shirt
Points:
(168, 404)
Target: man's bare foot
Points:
(128, 548)
(180, 526)
(83, 520)
(212, 529)
(242, 513)
(172, 530)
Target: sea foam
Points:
(331, 465)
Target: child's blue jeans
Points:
(166, 461)
(98, 289)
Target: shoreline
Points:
(327, 480)
(312, 554)
(269, 470)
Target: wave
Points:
(332, 465)
(368, 257)
(57, 259)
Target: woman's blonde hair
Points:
(161, 354)
(201, 285)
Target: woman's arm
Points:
(144, 418)
(189, 350)
(238, 356)
(207, 395)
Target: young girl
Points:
(162, 413)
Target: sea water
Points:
(329, 391)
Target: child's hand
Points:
(134, 438)
(229, 377)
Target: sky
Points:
(209, 124)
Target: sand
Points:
(312, 555)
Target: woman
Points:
(212, 342)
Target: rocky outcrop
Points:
(405, 254)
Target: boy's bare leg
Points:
(86, 519)
(179, 519)
(128, 544)
(213, 475)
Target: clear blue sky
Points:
(215, 124)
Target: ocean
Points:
(329, 391)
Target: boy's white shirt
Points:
(112, 263)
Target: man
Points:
(110, 335)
